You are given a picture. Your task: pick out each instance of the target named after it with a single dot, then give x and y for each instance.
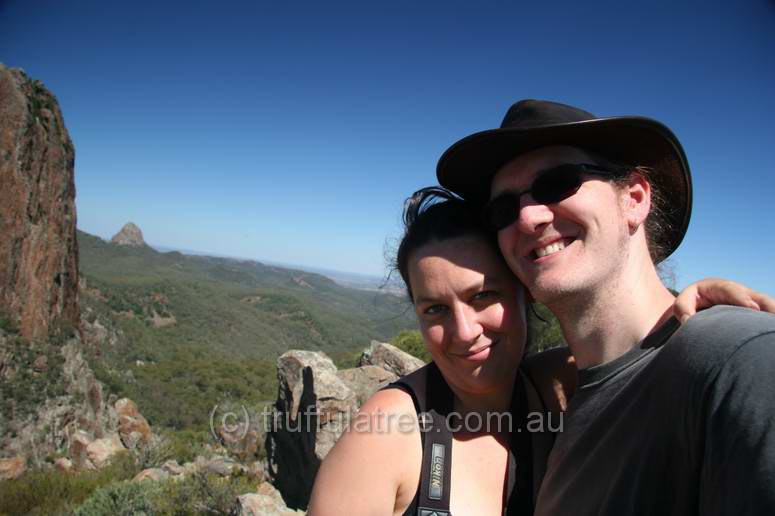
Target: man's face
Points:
(570, 247)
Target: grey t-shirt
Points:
(682, 424)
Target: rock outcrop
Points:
(100, 451)
(38, 248)
(55, 403)
(315, 404)
(267, 501)
(132, 426)
(390, 358)
(366, 380)
(312, 404)
(126, 430)
(47, 409)
(129, 235)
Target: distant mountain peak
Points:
(129, 235)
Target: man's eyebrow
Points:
(509, 191)
(490, 282)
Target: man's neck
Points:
(603, 324)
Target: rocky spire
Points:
(129, 235)
(38, 249)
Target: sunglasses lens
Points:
(557, 184)
(501, 212)
(551, 187)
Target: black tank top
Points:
(433, 401)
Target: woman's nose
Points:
(466, 327)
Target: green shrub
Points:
(185, 445)
(346, 360)
(201, 493)
(7, 325)
(30, 389)
(154, 453)
(411, 342)
(52, 492)
(120, 499)
(543, 329)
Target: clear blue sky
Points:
(292, 131)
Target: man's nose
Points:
(533, 216)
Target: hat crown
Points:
(530, 113)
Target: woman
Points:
(472, 315)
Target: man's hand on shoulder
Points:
(554, 372)
(716, 291)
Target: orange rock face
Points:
(132, 426)
(38, 250)
(12, 468)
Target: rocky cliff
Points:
(50, 400)
(38, 250)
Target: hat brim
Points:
(468, 166)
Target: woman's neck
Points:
(486, 404)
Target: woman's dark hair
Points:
(434, 214)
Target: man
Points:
(667, 419)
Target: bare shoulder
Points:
(375, 466)
(555, 374)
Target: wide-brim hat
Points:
(468, 166)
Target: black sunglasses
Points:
(551, 186)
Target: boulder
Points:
(79, 442)
(40, 365)
(222, 466)
(366, 380)
(158, 321)
(64, 465)
(312, 408)
(199, 464)
(12, 468)
(256, 470)
(100, 451)
(132, 426)
(241, 442)
(390, 358)
(266, 502)
(173, 468)
(154, 474)
(126, 407)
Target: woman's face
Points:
(471, 311)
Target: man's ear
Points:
(637, 200)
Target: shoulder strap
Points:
(433, 400)
(519, 494)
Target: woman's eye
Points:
(435, 310)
